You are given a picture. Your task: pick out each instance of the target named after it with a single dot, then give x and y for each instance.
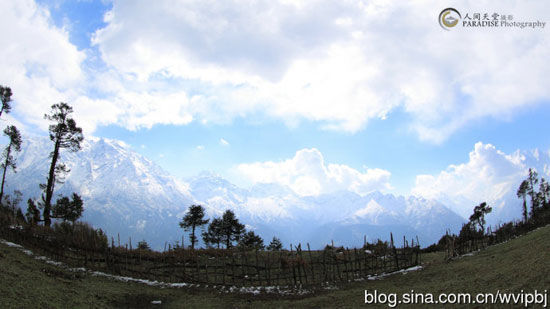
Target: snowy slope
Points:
(123, 192)
(127, 194)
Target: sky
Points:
(317, 95)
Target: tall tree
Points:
(193, 218)
(478, 217)
(468, 232)
(275, 244)
(213, 235)
(33, 214)
(544, 191)
(9, 161)
(522, 193)
(533, 179)
(5, 96)
(68, 210)
(232, 229)
(143, 245)
(251, 241)
(65, 135)
(12, 203)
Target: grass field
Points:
(520, 264)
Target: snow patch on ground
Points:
(384, 275)
(10, 244)
(282, 290)
(254, 290)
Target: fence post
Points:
(232, 268)
(184, 261)
(357, 262)
(258, 269)
(311, 264)
(324, 266)
(301, 263)
(206, 269)
(280, 272)
(394, 253)
(345, 255)
(293, 266)
(337, 265)
(267, 264)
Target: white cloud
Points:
(200, 147)
(38, 62)
(223, 142)
(489, 175)
(338, 63)
(307, 174)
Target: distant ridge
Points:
(127, 194)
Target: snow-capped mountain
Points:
(128, 195)
(124, 193)
(343, 216)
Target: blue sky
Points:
(377, 88)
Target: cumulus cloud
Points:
(338, 63)
(307, 174)
(489, 175)
(38, 62)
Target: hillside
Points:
(520, 264)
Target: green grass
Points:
(520, 264)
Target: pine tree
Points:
(9, 161)
(33, 214)
(19, 217)
(275, 245)
(232, 230)
(544, 191)
(213, 235)
(68, 210)
(468, 232)
(533, 180)
(251, 241)
(193, 218)
(65, 135)
(5, 96)
(12, 203)
(522, 193)
(143, 245)
(478, 217)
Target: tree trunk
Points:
(50, 185)
(524, 209)
(193, 240)
(4, 175)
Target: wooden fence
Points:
(455, 246)
(232, 267)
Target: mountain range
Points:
(129, 196)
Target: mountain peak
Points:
(125, 193)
